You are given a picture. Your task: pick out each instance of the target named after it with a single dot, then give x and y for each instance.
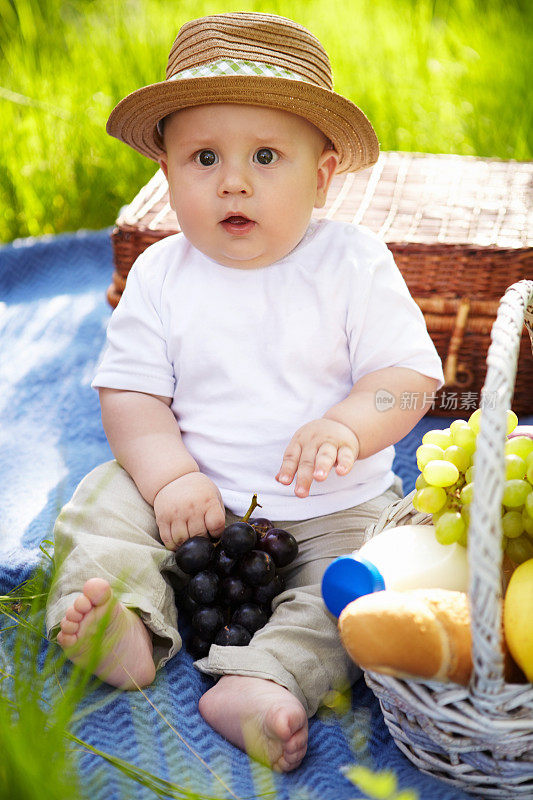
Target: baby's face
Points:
(244, 180)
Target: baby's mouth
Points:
(237, 224)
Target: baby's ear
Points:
(163, 163)
(327, 164)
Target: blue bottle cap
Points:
(348, 578)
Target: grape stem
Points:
(253, 505)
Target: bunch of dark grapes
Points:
(232, 581)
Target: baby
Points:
(248, 354)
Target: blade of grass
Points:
(35, 720)
(159, 786)
(180, 737)
(36, 710)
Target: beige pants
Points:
(107, 530)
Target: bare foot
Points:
(125, 642)
(261, 717)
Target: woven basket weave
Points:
(460, 228)
(479, 737)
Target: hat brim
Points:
(134, 120)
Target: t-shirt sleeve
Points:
(135, 356)
(385, 326)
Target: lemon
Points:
(518, 617)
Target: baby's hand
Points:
(314, 449)
(189, 506)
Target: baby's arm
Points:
(145, 439)
(356, 428)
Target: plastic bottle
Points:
(405, 557)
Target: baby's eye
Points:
(265, 156)
(206, 158)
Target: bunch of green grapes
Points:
(445, 489)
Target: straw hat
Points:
(255, 59)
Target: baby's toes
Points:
(73, 615)
(69, 626)
(66, 640)
(293, 750)
(297, 741)
(82, 604)
(287, 762)
(290, 760)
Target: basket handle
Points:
(485, 531)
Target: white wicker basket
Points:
(478, 737)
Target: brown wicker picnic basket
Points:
(460, 228)
(479, 737)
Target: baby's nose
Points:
(235, 180)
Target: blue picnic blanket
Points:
(53, 315)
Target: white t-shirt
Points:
(249, 356)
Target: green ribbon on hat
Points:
(228, 66)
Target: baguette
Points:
(422, 633)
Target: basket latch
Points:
(454, 374)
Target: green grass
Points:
(44, 699)
(432, 75)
